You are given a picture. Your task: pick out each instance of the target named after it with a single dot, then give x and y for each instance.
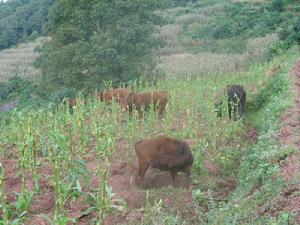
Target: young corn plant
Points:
(59, 215)
(132, 134)
(58, 158)
(9, 215)
(79, 114)
(103, 194)
(24, 144)
(32, 147)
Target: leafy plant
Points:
(23, 202)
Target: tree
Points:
(20, 18)
(98, 40)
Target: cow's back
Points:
(234, 91)
(108, 95)
(157, 147)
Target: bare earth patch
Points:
(290, 135)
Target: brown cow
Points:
(164, 153)
(142, 101)
(110, 94)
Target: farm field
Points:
(80, 165)
(62, 165)
(18, 61)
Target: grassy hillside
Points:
(224, 26)
(225, 36)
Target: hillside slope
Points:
(289, 135)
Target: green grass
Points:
(225, 27)
(60, 139)
(259, 181)
(198, 66)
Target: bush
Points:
(15, 86)
(258, 48)
(292, 34)
(276, 5)
(34, 35)
(60, 94)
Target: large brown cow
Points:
(110, 94)
(142, 101)
(164, 153)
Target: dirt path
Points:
(290, 135)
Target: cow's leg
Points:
(240, 110)
(161, 109)
(236, 111)
(139, 109)
(187, 176)
(141, 173)
(130, 108)
(142, 169)
(242, 107)
(174, 177)
(229, 109)
(140, 113)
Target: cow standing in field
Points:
(108, 95)
(164, 153)
(142, 102)
(236, 101)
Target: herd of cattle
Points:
(163, 152)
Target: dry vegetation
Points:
(18, 61)
(178, 57)
(192, 65)
(257, 48)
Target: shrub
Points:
(258, 48)
(15, 86)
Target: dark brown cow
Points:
(164, 153)
(236, 101)
(110, 94)
(142, 101)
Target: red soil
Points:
(120, 181)
(290, 135)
